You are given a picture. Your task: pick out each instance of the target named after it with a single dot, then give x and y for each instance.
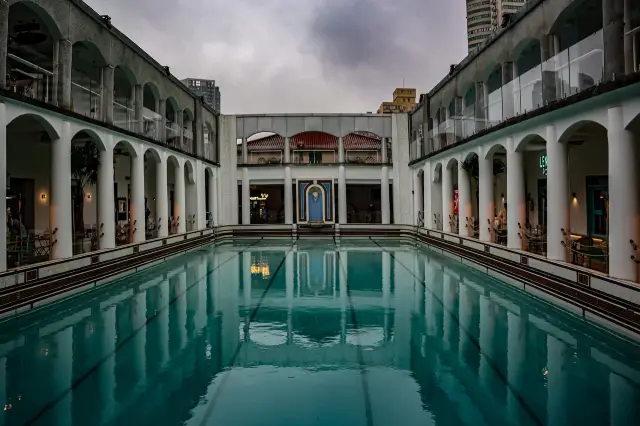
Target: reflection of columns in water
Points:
(163, 321)
(289, 291)
(418, 290)
(62, 376)
(107, 371)
(3, 387)
(386, 292)
(180, 304)
(229, 304)
(201, 291)
(403, 305)
(246, 279)
(343, 296)
(430, 302)
(623, 401)
(139, 318)
(465, 309)
(557, 381)
(211, 306)
(449, 300)
(516, 355)
(487, 331)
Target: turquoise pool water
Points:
(270, 333)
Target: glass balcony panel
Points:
(494, 109)
(530, 90)
(586, 63)
(28, 79)
(123, 116)
(508, 106)
(85, 98)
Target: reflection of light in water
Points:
(307, 343)
(261, 267)
(266, 333)
(366, 337)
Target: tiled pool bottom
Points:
(270, 333)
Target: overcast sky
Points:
(298, 55)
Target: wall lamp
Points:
(43, 196)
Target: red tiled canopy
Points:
(315, 140)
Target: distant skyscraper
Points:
(485, 16)
(206, 88)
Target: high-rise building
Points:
(486, 16)
(404, 100)
(206, 88)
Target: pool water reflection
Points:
(275, 333)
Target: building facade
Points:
(404, 99)
(486, 16)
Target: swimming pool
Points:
(313, 333)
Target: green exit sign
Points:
(544, 164)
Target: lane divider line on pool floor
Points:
(77, 382)
(354, 319)
(216, 393)
(472, 339)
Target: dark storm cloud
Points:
(298, 55)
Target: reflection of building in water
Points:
(317, 271)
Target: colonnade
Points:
(622, 181)
(342, 210)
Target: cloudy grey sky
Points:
(298, 55)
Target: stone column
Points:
(447, 198)
(384, 195)
(60, 214)
(162, 124)
(417, 196)
(64, 73)
(138, 106)
(547, 51)
(179, 121)
(3, 186)
(614, 38)
(162, 199)
(383, 151)
(288, 195)
(342, 195)
(623, 197)
(4, 36)
(245, 153)
(287, 151)
(246, 195)
(516, 206)
(507, 90)
(137, 222)
(212, 207)
(465, 210)
(106, 203)
(107, 94)
(481, 104)
(557, 195)
(486, 208)
(179, 200)
(426, 197)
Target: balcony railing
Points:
(85, 99)
(576, 69)
(124, 117)
(29, 79)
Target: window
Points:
(315, 157)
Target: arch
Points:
(187, 115)
(314, 214)
(188, 172)
(87, 59)
(44, 123)
(127, 74)
(173, 103)
(153, 154)
(578, 20)
(437, 172)
(451, 163)
(587, 126)
(634, 124)
(528, 140)
(173, 160)
(470, 156)
(125, 147)
(44, 16)
(313, 139)
(495, 147)
(493, 78)
(90, 135)
(150, 95)
(490, 69)
(208, 171)
(526, 55)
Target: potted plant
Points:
(85, 162)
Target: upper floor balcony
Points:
(97, 73)
(316, 148)
(510, 80)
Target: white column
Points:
(558, 363)
(485, 195)
(137, 225)
(623, 197)
(287, 150)
(557, 195)
(342, 195)
(3, 187)
(426, 197)
(200, 201)
(385, 196)
(179, 200)
(106, 207)
(60, 199)
(246, 194)
(447, 198)
(288, 196)
(516, 208)
(417, 192)
(245, 152)
(465, 225)
(62, 376)
(162, 201)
